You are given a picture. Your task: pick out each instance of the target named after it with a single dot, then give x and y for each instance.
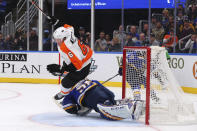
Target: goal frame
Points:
(148, 64)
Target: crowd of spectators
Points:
(162, 34)
(19, 41)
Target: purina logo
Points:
(13, 57)
(195, 70)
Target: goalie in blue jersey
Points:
(135, 71)
(90, 95)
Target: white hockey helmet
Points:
(63, 31)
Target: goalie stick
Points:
(110, 78)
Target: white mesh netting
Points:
(168, 103)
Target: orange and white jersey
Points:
(75, 52)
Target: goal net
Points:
(146, 71)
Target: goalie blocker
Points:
(90, 95)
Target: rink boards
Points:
(30, 67)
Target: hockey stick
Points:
(47, 16)
(35, 5)
(110, 79)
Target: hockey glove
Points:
(54, 69)
(120, 71)
(53, 21)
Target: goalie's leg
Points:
(123, 110)
(139, 109)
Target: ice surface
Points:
(29, 107)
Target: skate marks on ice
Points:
(91, 120)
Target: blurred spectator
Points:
(88, 39)
(20, 40)
(33, 40)
(191, 45)
(168, 41)
(145, 29)
(2, 43)
(108, 40)
(186, 29)
(180, 9)
(115, 45)
(180, 19)
(14, 44)
(192, 14)
(133, 33)
(153, 41)
(165, 17)
(46, 41)
(101, 43)
(169, 25)
(120, 34)
(129, 41)
(9, 43)
(18, 34)
(158, 31)
(153, 22)
(142, 40)
(82, 35)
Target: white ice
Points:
(29, 107)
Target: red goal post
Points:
(148, 56)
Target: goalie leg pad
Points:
(116, 112)
(139, 109)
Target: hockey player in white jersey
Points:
(76, 59)
(90, 95)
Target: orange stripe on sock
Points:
(65, 92)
